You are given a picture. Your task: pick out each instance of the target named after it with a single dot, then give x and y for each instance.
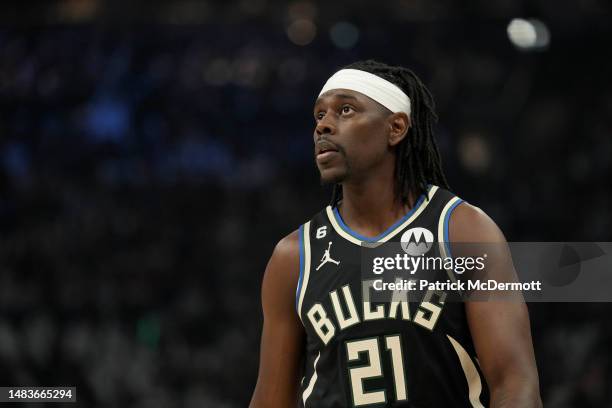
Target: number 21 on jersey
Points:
(371, 349)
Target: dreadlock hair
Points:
(418, 161)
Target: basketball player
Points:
(324, 345)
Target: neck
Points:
(369, 207)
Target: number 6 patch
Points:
(321, 232)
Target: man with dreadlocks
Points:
(324, 342)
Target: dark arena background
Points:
(153, 153)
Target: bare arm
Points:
(283, 334)
(500, 329)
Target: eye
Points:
(319, 116)
(346, 109)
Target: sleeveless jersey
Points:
(393, 354)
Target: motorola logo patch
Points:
(417, 241)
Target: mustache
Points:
(326, 142)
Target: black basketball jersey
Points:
(394, 354)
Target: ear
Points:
(399, 123)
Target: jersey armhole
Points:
(304, 242)
(446, 236)
(443, 234)
(301, 276)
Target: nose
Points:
(325, 126)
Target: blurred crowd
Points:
(147, 171)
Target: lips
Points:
(323, 146)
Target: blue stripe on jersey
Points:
(446, 222)
(389, 230)
(301, 239)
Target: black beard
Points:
(341, 177)
(338, 178)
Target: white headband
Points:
(382, 91)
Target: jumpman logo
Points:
(327, 257)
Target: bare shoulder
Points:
(472, 232)
(283, 270)
(288, 248)
(285, 259)
(469, 223)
